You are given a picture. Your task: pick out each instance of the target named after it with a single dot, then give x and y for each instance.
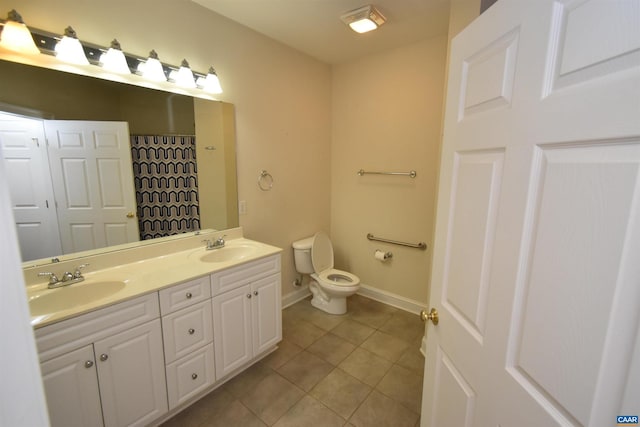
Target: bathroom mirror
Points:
(45, 94)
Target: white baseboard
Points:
(394, 300)
(295, 296)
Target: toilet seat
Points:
(337, 280)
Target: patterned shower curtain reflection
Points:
(166, 183)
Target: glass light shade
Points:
(210, 83)
(16, 36)
(113, 59)
(363, 25)
(184, 76)
(69, 49)
(152, 69)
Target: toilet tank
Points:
(302, 255)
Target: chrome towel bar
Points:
(411, 174)
(421, 245)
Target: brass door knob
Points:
(130, 215)
(432, 315)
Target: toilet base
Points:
(332, 304)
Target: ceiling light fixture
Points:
(363, 19)
(113, 59)
(16, 36)
(152, 69)
(69, 49)
(210, 83)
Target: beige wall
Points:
(386, 111)
(282, 100)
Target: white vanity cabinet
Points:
(188, 339)
(247, 313)
(107, 365)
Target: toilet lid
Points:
(321, 252)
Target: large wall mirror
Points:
(60, 136)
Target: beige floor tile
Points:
(353, 332)
(412, 359)
(404, 325)
(299, 310)
(360, 304)
(244, 382)
(374, 320)
(234, 414)
(324, 320)
(271, 398)
(385, 345)
(331, 348)
(301, 332)
(202, 410)
(403, 385)
(285, 352)
(341, 392)
(365, 366)
(309, 412)
(305, 370)
(379, 410)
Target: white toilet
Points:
(330, 287)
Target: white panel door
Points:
(266, 313)
(131, 372)
(232, 330)
(71, 386)
(27, 169)
(536, 272)
(93, 183)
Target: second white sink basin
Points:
(233, 252)
(66, 297)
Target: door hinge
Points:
(46, 202)
(36, 141)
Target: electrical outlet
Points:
(242, 207)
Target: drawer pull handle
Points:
(189, 295)
(194, 376)
(88, 364)
(192, 331)
(255, 293)
(103, 357)
(249, 296)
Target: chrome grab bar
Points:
(411, 174)
(421, 245)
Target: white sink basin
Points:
(66, 297)
(231, 253)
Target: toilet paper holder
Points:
(381, 255)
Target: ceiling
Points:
(314, 26)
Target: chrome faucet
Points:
(216, 244)
(68, 278)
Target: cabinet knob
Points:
(191, 331)
(194, 376)
(249, 296)
(88, 364)
(189, 295)
(255, 293)
(103, 357)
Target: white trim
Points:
(393, 300)
(295, 296)
(423, 346)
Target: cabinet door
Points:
(232, 330)
(131, 374)
(71, 386)
(266, 313)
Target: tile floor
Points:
(361, 369)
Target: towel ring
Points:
(265, 181)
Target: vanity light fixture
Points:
(364, 19)
(69, 49)
(152, 69)
(210, 83)
(183, 76)
(113, 59)
(16, 36)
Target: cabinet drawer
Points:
(190, 375)
(184, 295)
(241, 275)
(187, 330)
(62, 337)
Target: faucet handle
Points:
(209, 243)
(53, 279)
(77, 274)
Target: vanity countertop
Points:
(124, 281)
